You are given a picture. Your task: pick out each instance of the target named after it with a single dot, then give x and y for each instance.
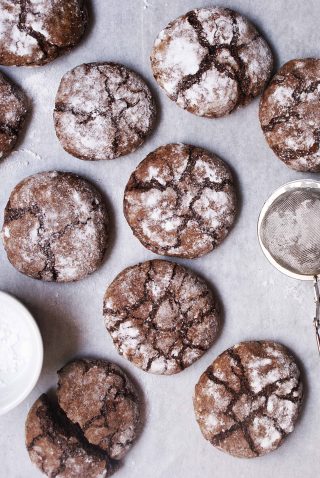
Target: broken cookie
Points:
(91, 428)
(35, 32)
(99, 397)
(210, 61)
(55, 227)
(57, 449)
(161, 316)
(249, 399)
(102, 111)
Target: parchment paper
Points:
(258, 301)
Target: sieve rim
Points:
(291, 185)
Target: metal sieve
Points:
(289, 234)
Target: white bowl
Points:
(18, 379)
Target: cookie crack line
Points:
(72, 437)
(111, 422)
(297, 100)
(48, 49)
(13, 131)
(43, 44)
(211, 59)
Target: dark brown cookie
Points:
(57, 450)
(249, 399)
(99, 397)
(35, 32)
(161, 316)
(210, 61)
(102, 111)
(290, 114)
(13, 110)
(180, 201)
(55, 227)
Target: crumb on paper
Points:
(146, 4)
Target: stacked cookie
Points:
(180, 201)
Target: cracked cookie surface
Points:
(210, 61)
(180, 201)
(249, 399)
(13, 110)
(102, 111)
(290, 114)
(100, 398)
(57, 449)
(35, 32)
(161, 316)
(55, 227)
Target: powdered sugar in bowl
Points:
(21, 353)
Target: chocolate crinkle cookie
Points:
(35, 32)
(290, 114)
(249, 399)
(102, 111)
(180, 201)
(13, 110)
(161, 316)
(55, 227)
(99, 397)
(57, 449)
(210, 61)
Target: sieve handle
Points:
(316, 320)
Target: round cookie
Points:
(13, 110)
(210, 61)
(57, 450)
(290, 114)
(161, 316)
(35, 32)
(180, 201)
(99, 397)
(249, 399)
(102, 111)
(55, 227)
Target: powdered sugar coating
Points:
(55, 227)
(210, 61)
(249, 399)
(290, 114)
(35, 32)
(100, 398)
(13, 110)
(160, 316)
(180, 201)
(102, 111)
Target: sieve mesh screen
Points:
(290, 230)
